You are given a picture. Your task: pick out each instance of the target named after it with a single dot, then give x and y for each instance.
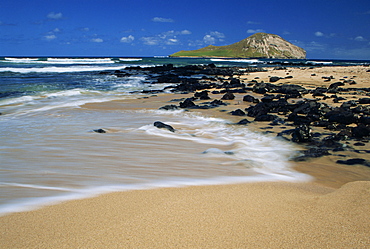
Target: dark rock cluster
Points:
(276, 104)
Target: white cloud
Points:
(252, 31)
(56, 30)
(165, 38)
(50, 37)
(185, 32)
(128, 39)
(208, 39)
(360, 38)
(97, 40)
(172, 41)
(213, 37)
(217, 34)
(319, 34)
(161, 19)
(174, 33)
(55, 16)
(150, 40)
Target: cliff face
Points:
(260, 45)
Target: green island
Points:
(259, 45)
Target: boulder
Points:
(161, 125)
(228, 96)
(274, 79)
(291, 89)
(354, 161)
(188, 103)
(341, 116)
(312, 153)
(169, 107)
(364, 101)
(168, 78)
(259, 109)
(336, 85)
(268, 98)
(243, 122)
(265, 118)
(302, 134)
(238, 112)
(308, 107)
(216, 103)
(263, 88)
(100, 131)
(348, 104)
(249, 98)
(202, 95)
(361, 131)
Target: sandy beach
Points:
(332, 211)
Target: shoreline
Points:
(257, 215)
(331, 211)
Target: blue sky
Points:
(326, 29)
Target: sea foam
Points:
(202, 151)
(60, 69)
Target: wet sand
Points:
(331, 212)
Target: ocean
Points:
(50, 153)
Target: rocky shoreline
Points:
(325, 119)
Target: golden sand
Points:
(263, 215)
(332, 212)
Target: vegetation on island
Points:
(259, 45)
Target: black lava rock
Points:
(302, 134)
(169, 107)
(361, 131)
(202, 95)
(100, 131)
(274, 79)
(188, 103)
(312, 153)
(364, 101)
(265, 117)
(228, 96)
(354, 161)
(249, 98)
(336, 85)
(243, 122)
(161, 125)
(341, 116)
(238, 112)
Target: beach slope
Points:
(255, 215)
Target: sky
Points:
(326, 29)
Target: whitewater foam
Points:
(130, 59)
(219, 147)
(60, 69)
(21, 60)
(268, 154)
(80, 61)
(320, 62)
